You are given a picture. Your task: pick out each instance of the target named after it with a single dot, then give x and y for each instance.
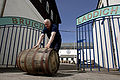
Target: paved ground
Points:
(66, 72)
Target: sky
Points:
(69, 10)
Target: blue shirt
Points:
(53, 28)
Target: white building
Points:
(107, 44)
(68, 53)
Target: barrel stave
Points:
(22, 58)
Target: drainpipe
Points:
(113, 49)
(3, 3)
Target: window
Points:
(72, 59)
(51, 14)
(67, 59)
(47, 7)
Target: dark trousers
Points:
(56, 45)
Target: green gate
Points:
(17, 34)
(98, 39)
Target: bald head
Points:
(47, 23)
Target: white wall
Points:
(114, 2)
(1, 6)
(111, 2)
(22, 8)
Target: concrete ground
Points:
(66, 72)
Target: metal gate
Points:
(98, 39)
(17, 34)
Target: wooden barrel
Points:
(38, 61)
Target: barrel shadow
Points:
(63, 75)
(55, 75)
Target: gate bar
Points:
(118, 24)
(18, 45)
(110, 42)
(14, 45)
(32, 38)
(26, 37)
(106, 45)
(77, 48)
(38, 33)
(101, 44)
(97, 46)
(116, 44)
(9, 47)
(86, 45)
(93, 45)
(35, 36)
(29, 38)
(22, 38)
(80, 47)
(2, 39)
(83, 50)
(89, 47)
(5, 46)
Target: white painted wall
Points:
(22, 8)
(110, 2)
(114, 2)
(1, 6)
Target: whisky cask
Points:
(38, 61)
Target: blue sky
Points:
(69, 10)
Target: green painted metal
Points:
(102, 12)
(11, 20)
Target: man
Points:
(53, 34)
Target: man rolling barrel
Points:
(53, 34)
(32, 60)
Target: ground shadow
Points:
(55, 75)
(9, 70)
(65, 70)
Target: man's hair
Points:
(49, 20)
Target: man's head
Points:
(47, 23)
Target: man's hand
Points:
(35, 46)
(47, 46)
(50, 40)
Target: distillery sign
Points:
(102, 12)
(21, 21)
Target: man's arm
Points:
(50, 40)
(40, 40)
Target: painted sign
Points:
(102, 12)
(21, 21)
